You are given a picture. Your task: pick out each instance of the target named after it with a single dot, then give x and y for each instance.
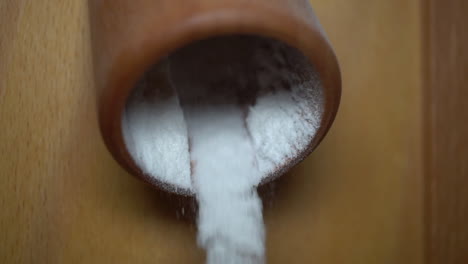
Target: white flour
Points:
(230, 224)
(156, 134)
(226, 113)
(224, 166)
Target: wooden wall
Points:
(446, 131)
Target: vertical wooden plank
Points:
(446, 131)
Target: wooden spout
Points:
(130, 36)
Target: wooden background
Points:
(446, 131)
(357, 199)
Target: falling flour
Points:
(226, 114)
(230, 225)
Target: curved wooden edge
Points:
(123, 52)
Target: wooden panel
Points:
(358, 198)
(446, 130)
(64, 200)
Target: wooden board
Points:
(446, 131)
(63, 199)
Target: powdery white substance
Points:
(231, 111)
(230, 224)
(155, 134)
(282, 119)
(272, 114)
(224, 164)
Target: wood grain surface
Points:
(446, 126)
(63, 199)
